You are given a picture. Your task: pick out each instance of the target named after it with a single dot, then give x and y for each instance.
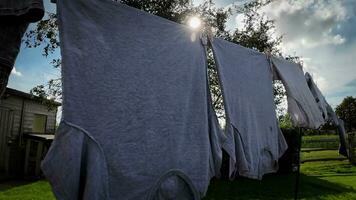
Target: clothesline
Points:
(138, 122)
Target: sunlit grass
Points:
(321, 154)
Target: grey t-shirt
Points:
(254, 141)
(303, 109)
(135, 108)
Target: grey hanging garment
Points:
(303, 109)
(15, 15)
(135, 107)
(254, 141)
(328, 113)
(343, 149)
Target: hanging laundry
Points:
(15, 15)
(302, 107)
(328, 113)
(135, 107)
(343, 149)
(254, 141)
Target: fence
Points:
(321, 148)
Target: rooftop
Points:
(13, 92)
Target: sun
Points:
(194, 22)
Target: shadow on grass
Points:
(276, 187)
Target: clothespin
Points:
(204, 39)
(268, 54)
(206, 36)
(210, 34)
(274, 74)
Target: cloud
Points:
(309, 23)
(15, 72)
(351, 84)
(348, 89)
(323, 34)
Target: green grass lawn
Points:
(321, 154)
(328, 180)
(332, 180)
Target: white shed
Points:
(21, 113)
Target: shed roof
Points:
(13, 92)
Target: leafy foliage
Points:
(48, 94)
(285, 122)
(173, 10)
(45, 33)
(347, 112)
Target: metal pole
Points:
(297, 178)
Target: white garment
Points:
(254, 141)
(303, 109)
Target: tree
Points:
(347, 112)
(257, 33)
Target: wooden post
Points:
(297, 178)
(352, 147)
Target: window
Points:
(39, 123)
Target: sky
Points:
(321, 32)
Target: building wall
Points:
(14, 104)
(12, 154)
(32, 108)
